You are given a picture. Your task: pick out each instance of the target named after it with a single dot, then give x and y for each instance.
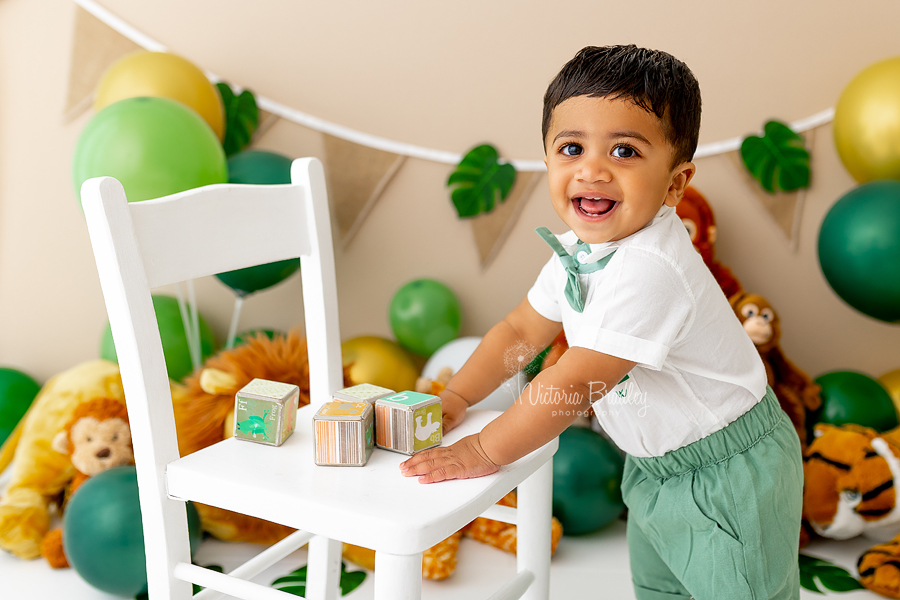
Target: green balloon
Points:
(245, 336)
(260, 168)
(102, 532)
(424, 315)
(859, 249)
(174, 341)
(154, 146)
(852, 397)
(587, 481)
(17, 391)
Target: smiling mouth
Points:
(594, 207)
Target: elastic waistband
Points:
(720, 445)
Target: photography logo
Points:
(515, 359)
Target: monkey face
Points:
(100, 445)
(757, 322)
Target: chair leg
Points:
(323, 573)
(534, 507)
(398, 577)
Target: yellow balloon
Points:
(380, 362)
(867, 123)
(891, 382)
(161, 74)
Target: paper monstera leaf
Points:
(480, 181)
(831, 577)
(778, 159)
(241, 118)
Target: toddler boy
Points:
(713, 471)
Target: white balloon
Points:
(455, 353)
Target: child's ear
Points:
(681, 177)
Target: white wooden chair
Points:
(144, 245)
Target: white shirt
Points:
(657, 304)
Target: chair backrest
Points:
(143, 245)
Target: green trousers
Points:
(719, 518)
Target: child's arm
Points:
(540, 414)
(485, 370)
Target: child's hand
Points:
(461, 460)
(453, 409)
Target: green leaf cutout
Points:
(295, 581)
(779, 159)
(831, 577)
(480, 181)
(241, 118)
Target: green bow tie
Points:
(574, 267)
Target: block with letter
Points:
(266, 411)
(408, 422)
(344, 433)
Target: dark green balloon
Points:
(859, 249)
(246, 336)
(260, 168)
(17, 391)
(852, 397)
(174, 341)
(587, 481)
(424, 315)
(154, 146)
(103, 536)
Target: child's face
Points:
(610, 158)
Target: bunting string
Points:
(394, 146)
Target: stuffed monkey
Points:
(697, 216)
(97, 438)
(796, 392)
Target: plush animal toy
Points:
(851, 474)
(796, 392)
(97, 438)
(39, 473)
(697, 216)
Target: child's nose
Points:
(593, 170)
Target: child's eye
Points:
(624, 151)
(571, 149)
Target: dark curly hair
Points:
(654, 80)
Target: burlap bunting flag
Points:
(95, 47)
(785, 208)
(357, 176)
(490, 230)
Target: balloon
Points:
(174, 342)
(162, 75)
(891, 382)
(246, 336)
(455, 353)
(852, 397)
(261, 168)
(867, 123)
(587, 481)
(859, 249)
(424, 315)
(380, 362)
(102, 534)
(154, 146)
(17, 391)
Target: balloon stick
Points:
(196, 353)
(185, 321)
(235, 317)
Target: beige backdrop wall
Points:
(446, 76)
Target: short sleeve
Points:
(544, 294)
(637, 310)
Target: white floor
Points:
(593, 566)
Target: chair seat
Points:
(373, 506)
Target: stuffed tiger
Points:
(849, 489)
